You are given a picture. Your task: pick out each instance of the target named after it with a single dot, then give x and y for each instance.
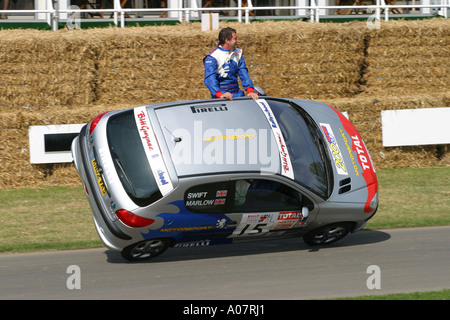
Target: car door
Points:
(241, 208)
(264, 207)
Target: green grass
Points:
(46, 219)
(413, 197)
(426, 295)
(60, 217)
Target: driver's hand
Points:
(227, 95)
(253, 95)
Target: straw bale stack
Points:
(15, 167)
(45, 69)
(162, 64)
(409, 57)
(147, 65)
(70, 76)
(297, 59)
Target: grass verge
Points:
(426, 295)
(60, 217)
(413, 197)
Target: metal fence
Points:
(189, 10)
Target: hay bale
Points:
(15, 167)
(137, 59)
(45, 69)
(75, 75)
(409, 57)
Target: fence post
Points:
(116, 7)
(312, 11)
(247, 11)
(378, 10)
(386, 13)
(55, 16)
(239, 12)
(180, 13)
(444, 8)
(187, 11)
(317, 12)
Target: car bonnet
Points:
(219, 136)
(351, 161)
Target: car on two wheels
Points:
(206, 172)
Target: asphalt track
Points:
(406, 260)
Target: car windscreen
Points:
(130, 159)
(305, 149)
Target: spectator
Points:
(5, 7)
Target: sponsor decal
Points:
(285, 161)
(334, 149)
(219, 202)
(255, 224)
(286, 166)
(368, 171)
(144, 129)
(201, 243)
(230, 137)
(288, 219)
(196, 195)
(199, 195)
(183, 224)
(184, 229)
(363, 156)
(349, 150)
(221, 193)
(206, 202)
(211, 108)
(222, 223)
(152, 151)
(162, 177)
(100, 182)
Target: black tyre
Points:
(327, 234)
(145, 250)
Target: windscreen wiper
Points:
(122, 170)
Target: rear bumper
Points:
(108, 231)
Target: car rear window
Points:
(130, 160)
(305, 150)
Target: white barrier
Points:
(185, 10)
(413, 127)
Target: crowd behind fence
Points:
(57, 11)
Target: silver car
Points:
(205, 172)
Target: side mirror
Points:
(259, 91)
(305, 213)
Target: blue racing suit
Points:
(222, 69)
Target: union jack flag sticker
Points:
(221, 193)
(219, 202)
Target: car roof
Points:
(218, 136)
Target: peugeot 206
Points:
(205, 172)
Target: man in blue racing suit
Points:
(224, 65)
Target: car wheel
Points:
(145, 250)
(327, 234)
